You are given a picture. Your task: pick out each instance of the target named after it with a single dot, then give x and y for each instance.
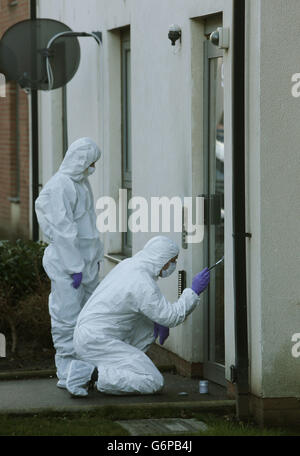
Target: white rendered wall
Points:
(253, 38)
(274, 202)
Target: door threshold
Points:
(214, 372)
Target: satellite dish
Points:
(6, 55)
(27, 58)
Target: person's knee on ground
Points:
(118, 381)
(154, 384)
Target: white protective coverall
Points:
(66, 214)
(115, 327)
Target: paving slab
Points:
(40, 394)
(162, 426)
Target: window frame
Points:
(126, 128)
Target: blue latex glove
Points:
(201, 281)
(162, 332)
(77, 278)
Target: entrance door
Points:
(214, 211)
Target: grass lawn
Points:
(102, 423)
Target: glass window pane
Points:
(126, 135)
(128, 111)
(216, 193)
(128, 234)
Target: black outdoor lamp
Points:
(174, 33)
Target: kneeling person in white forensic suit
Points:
(123, 317)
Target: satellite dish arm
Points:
(96, 35)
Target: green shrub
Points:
(21, 270)
(22, 277)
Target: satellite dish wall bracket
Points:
(96, 35)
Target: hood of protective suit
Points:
(80, 155)
(156, 253)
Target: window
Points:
(126, 132)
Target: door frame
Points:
(211, 370)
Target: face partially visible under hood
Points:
(80, 155)
(156, 253)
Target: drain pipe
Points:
(34, 146)
(240, 371)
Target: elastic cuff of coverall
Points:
(193, 294)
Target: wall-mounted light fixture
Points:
(220, 38)
(174, 33)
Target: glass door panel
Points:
(215, 213)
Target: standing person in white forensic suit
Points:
(66, 214)
(122, 319)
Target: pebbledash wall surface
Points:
(167, 159)
(14, 142)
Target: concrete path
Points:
(41, 394)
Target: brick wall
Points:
(14, 216)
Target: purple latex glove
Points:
(201, 281)
(155, 330)
(162, 332)
(77, 278)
